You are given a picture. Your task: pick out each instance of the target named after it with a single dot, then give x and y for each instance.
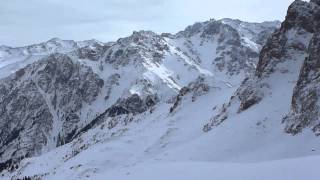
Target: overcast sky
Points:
(24, 22)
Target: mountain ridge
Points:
(148, 97)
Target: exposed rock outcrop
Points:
(294, 34)
(132, 105)
(197, 88)
(41, 101)
(305, 101)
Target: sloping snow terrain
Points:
(222, 99)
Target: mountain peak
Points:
(55, 39)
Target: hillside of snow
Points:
(160, 142)
(222, 99)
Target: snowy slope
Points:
(294, 169)
(135, 69)
(176, 140)
(146, 120)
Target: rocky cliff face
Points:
(305, 100)
(41, 105)
(133, 49)
(294, 34)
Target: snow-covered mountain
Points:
(12, 59)
(218, 92)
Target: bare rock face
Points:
(41, 100)
(23, 102)
(92, 52)
(250, 94)
(128, 107)
(132, 105)
(305, 100)
(197, 88)
(233, 56)
(300, 14)
(300, 21)
(132, 49)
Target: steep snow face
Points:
(277, 74)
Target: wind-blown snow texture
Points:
(136, 108)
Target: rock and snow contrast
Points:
(222, 99)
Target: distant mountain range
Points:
(220, 90)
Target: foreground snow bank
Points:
(288, 169)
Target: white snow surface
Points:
(162, 145)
